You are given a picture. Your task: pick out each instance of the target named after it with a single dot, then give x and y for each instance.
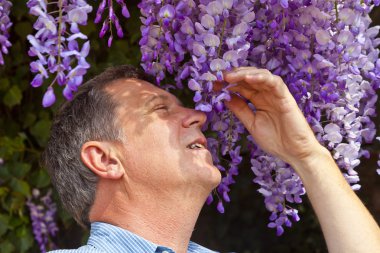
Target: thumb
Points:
(242, 111)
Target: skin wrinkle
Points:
(149, 104)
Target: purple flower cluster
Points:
(164, 34)
(42, 213)
(112, 19)
(337, 80)
(279, 185)
(5, 24)
(196, 41)
(327, 55)
(325, 52)
(56, 46)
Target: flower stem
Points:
(110, 5)
(59, 38)
(229, 136)
(221, 36)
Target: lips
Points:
(199, 143)
(199, 148)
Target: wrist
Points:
(312, 163)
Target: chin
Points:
(214, 178)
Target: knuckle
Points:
(277, 79)
(266, 72)
(261, 76)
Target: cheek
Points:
(161, 147)
(154, 162)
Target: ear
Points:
(101, 158)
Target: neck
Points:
(167, 219)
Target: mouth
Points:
(199, 148)
(200, 143)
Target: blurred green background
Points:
(24, 129)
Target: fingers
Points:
(251, 76)
(256, 79)
(243, 68)
(244, 74)
(239, 74)
(242, 89)
(242, 111)
(247, 92)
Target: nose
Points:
(194, 118)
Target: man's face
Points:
(164, 148)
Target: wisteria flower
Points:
(5, 25)
(58, 51)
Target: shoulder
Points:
(83, 249)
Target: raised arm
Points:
(279, 127)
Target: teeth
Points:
(196, 145)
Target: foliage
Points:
(24, 129)
(24, 125)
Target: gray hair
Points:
(89, 116)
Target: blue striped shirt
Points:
(107, 238)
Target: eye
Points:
(161, 107)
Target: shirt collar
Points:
(110, 238)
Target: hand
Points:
(278, 125)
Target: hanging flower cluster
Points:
(324, 51)
(112, 19)
(42, 213)
(56, 46)
(5, 24)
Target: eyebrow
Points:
(163, 97)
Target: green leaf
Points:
(40, 179)
(4, 221)
(5, 172)
(41, 131)
(7, 247)
(3, 191)
(9, 146)
(12, 97)
(15, 204)
(20, 186)
(19, 170)
(43, 114)
(29, 120)
(25, 238)
(17, 221)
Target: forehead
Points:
(137, 93)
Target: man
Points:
(129, 159)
